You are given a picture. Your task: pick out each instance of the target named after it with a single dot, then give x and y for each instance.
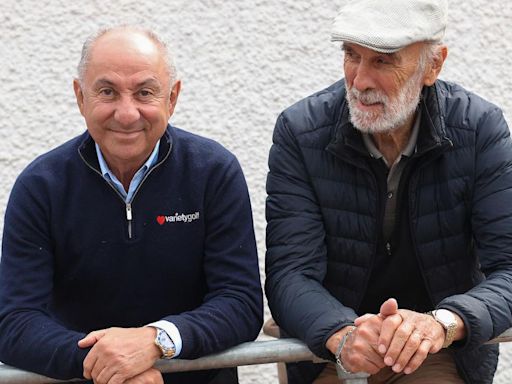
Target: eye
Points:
(108, 92)
(145, 93)
(385, 60)
(351, 55)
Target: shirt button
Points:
(390, 195)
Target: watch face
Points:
(165, 343)
(444, 316)
(165, 340)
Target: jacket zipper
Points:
(373, 178)
(128, 206)
(412, 205)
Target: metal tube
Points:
(504, 337)
(256, 352)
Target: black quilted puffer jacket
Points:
(322, 220)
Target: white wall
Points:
(241, 63)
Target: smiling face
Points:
(125, 97)
(383, 90)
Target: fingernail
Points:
(407, 371)
(382, 349)
(388, 361)
(397, 368)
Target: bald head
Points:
(144, 39)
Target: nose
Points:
(126, 112)
(363, 77)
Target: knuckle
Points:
(364, 332)
(406, 327)
(414, 341)
(394, 320)
(355, 360)
(360, 347)
(424, 349)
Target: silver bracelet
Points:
(340, 348)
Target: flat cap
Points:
(388, 26)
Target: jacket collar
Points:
(87, 150)
(432, 132)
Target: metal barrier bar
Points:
(503, 338)
(251, 353)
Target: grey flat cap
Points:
(388, 26)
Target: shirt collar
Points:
(409, 148)
(105, 170)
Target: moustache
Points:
(371, 96)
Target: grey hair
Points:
(89, 42)
(430, 51)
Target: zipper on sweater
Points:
(128, 206)
(129, 219)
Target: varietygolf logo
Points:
(177, 218)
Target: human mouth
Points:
(126, 134)
(368, 106)
(367, 101)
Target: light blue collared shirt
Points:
(167, 326)
(137, 178)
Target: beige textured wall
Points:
(241, 63)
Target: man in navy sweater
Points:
(131, 242)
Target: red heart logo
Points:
(160, 219)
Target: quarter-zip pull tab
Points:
(129, 218)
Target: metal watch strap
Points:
(450, 335)
(340, 348)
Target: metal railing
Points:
(251, 353)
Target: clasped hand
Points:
(398, 338)
(121, 356)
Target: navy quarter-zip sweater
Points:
(76, 258)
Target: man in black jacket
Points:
(392, 184)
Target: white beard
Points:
(394, 113)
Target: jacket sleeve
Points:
(232, 310)
(30, 338)
(296, 258)
(487, 308)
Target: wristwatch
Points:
(165, 343)
(449, 323)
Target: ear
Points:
(173, 97)
(79, 95)
(434, 68)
